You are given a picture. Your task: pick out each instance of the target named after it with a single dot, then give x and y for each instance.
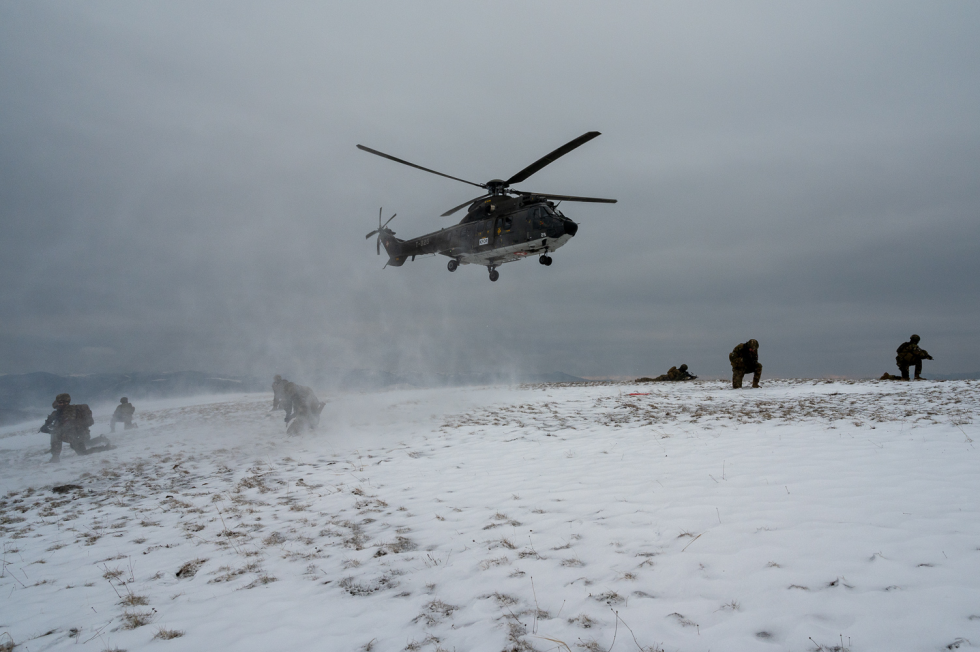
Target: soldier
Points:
(679, 374)
(301, 406)
(123, 414)
(672, 374)
(277, 396)
(70, 423)
(745, 358)
(909, 354)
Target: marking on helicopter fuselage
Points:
(484, 241)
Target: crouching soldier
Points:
(123, 414)
(910, 355)
(745, 358)
(70, 423)
(302, 408)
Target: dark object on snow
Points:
(888, 376)
(190, 568)
(65, 488)
(673, 374)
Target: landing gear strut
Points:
(545, 260)
(453, 264)
(494, 274)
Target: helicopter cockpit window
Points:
(508, 222)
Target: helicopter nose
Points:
(571, 228)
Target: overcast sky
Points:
(180, 187)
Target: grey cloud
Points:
(179, 186)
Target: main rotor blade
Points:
(371, 233)
(551, 158)
(595, 200)
(465, 203)
(398, 160)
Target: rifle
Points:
(50, 421)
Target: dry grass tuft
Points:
(115, 573)
(583, 621)
(131, 600)
(434, 612)
(167, 634)
(274, 539)
(134, 619)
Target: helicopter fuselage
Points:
(495, 231)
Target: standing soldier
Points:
(123, 414)
(278, 383)
(910, 355)
(70, 423)
(745, 358)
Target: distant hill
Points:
(363, 379)
(28, 396)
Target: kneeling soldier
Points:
(70, 423)
(123, 414)
(910, 355)
(745, 358)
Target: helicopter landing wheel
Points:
(453, 264)
(494, 275)
(545, 260)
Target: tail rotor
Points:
(380, 229)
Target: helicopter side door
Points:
(504, 231)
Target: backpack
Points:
(83, 416)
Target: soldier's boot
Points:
(55, 458)
(755, 383)
(919, 378)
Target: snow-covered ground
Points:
(804, 515)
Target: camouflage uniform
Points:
(123, 414)
(679, 374)
(910, 355)
(277, 387)
(70, 423)
(302, 406)
(745, 358)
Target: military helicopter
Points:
(501, 226)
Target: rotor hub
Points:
(497, 186)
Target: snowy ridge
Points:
(804, 515)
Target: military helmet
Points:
(124, 400)
(753, 344)
(60, 399)
(277, 377)
(683, 367)
(915, 338)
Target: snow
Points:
(803, 515)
